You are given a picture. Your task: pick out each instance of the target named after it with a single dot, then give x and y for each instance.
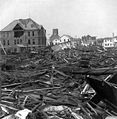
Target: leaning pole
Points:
(0, 81)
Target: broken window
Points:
(33, 41)
(33, 33)
(17, 41)
(18, 34)
(14, 42)
(28, 33)
(18, 31)
(8, 42)
(29, 41)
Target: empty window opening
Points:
(17, 41)
(29, 41)
(28, 33)
(8, 42)
(14, 42)
(33, 41)
(33, 33)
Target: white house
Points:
(56, 41)
(65, 42)
(65, 38)
(108, 42)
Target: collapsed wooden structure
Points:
(82, 81)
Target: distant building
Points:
(88, 40)
(55, 38)
(115, 41)
(66, 42)
(99, 42)
(69, 42)
(23, 33)
(108, 42)
(65, 38)
(75, 42)
(62, 43)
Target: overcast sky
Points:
(73, 17)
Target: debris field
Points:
(77, 83)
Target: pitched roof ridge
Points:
(9, 24)
(23, 23)
(36, 24)
(67, 35)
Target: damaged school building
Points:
(21, 34)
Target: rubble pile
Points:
(60, 85)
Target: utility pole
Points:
(0, 73)
(0, 83)
(1, 62)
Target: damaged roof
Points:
(26, 24)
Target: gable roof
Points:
(66, 36)
(26, 24)
(53, 37)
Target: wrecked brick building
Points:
(21, 34)
(88, 40)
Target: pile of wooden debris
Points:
(69, 84)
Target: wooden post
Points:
(52, 73)
(0, 83)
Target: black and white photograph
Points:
(58, 59)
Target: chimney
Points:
(55, 32)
